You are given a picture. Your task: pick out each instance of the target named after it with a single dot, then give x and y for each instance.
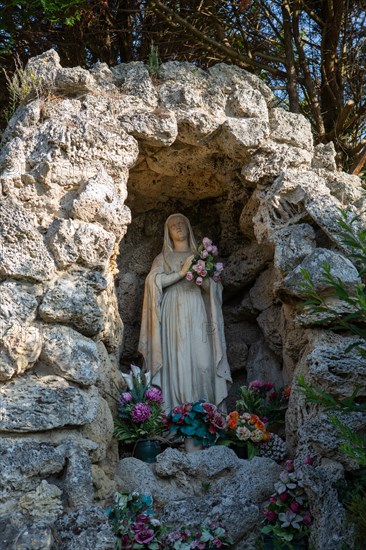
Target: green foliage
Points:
(354, 445)
(22, 86)
(135, 525)
(262, 399)
(353, 320)
(153, 63)
(316, 395)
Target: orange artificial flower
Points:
(266, 437)
(253, 419)
(233, 420)
(287, 391)
(259, 425)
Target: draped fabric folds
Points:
(182, 331)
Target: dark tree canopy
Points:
(311, 52)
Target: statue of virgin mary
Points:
(182, 331)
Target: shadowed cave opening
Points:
(208, 188)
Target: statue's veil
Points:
(168, 243)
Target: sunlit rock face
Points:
(89, 172)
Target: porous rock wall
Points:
(209, 144)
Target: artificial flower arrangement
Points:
(264, 400)
(244, 430)
(287, 515)
(204, 265)
(140, 412)
(135, 526)
(200, 420)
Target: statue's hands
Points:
(187, 264)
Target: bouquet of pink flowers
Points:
(204, 264)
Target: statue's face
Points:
(178, 229)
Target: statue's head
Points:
(178, 227)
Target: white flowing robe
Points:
(182, 332)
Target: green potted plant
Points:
(140, 415)
(263, 399)
(199, 420)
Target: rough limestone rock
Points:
(262, 292)
(17, 532)
(33, 403)
(269, 321)
(43, 503)
(100, 202)
(69, 354)
(330, 528)
(291, 128)
(340, 268)
(20, 347)
(85, 528)
(292, 245)
(77, 242)
(23, 254)
(74, 299)
(263, 364)
(177, 484)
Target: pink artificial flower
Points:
(202, 263)
(272, 499)
(219, 267)
(307, 518)
(271, 516)
(295, 506)
(154, 394)
(309, 460)
(209, 248)
(197, 267)
(255, 385)
(206, 242)
(283, 496)
(203, 273)
(289, 466)
(268, 386)
(214, 251)
(204, 254)
(189, 276)
(125, 397)
(199, 281)
(140, 412)
(144, 536)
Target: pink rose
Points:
(199, 281)
(189, 276)
(203, 273)
(197, 267)
(289, 466)
(295, 506)
(206, 242)
(209, 248)
(307, 518)
(204, 254)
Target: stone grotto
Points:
(89, 171)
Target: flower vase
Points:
(240, 451)
(146, 450)
(190, 445)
